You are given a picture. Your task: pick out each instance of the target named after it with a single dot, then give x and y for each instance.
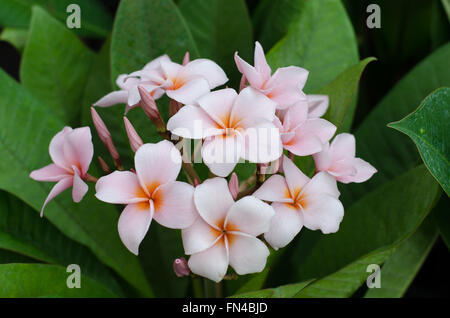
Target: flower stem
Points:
(197, 287)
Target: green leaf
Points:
(443, 218)
(319, 39)
(144, 30)
(24, 232)
(428, 127)
(388, 151)
(402, 266)
(342, 93)
(286, 291)
(26, 128)
(446, 4)
(16, 36)
(383, 217)
(55, 65)
(215, 36)
(38, 280)
(95, 19)
(7, 257)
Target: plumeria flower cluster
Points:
(224, 223)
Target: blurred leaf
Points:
(383, 217)
(388, 151)
(38, 280)
(217, 38)
(55, 66)
(95, 19)
(402, 266)
(286, 291)
(26, 128)
(144, 30)
(254, 283)
(428, 126)
(16, 36)
(342, 93)
(24, 232)
(7, 257)
(320, 39)
(442, 215)
(446, 4)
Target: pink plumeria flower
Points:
(284, 87)
(128, 84)
(338, 159)
(236, 126)
(71, 151)
(300, 201)
(150, 193)
(186, 83)
(301, 135)
(225, 232)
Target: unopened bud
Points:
(133, 137)
(186, 58)
(174, 107)
(233, 185)
(104, 165)
(151, 110)
(181, 268)
(196, 182)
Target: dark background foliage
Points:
(411, 30)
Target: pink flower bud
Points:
(133, 137)
(196, 182)
(104, 165)
(100, 126)
(174, 107)
(151, 110)
(233, 185)
(186, 58)
(181, 268)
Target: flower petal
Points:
(199, 237)
(190, 91)
(249, 215)
(261, 65)
(193, 122)
(323, 212)
(221, 169)
(255, 78)
(303, 144)
(207, 69)
(285, 225)
(252, 104)
(317, 105)
(262, 143)
(50, 173)
(56, 148)
(174, 205)
(324, 158)
(120, 187)
(157, 164)
(79, 188)
(78, 149)
(211, 263)
(274, 189)
(247, 254)
(343, 146)
(113, 98)
(295, 116)
(218, 105)
(222, 152)
(134, 222)
(295, 179)
(364, 171)
(213, 200)
(319, 127)
(322, 183)
(61, 186)
(287, 84)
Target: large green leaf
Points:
(55, 65)
(428, 126)
(342, 93)
(446, 4)
(388, 151)
(38, 280)
(144, 30)
(383, 217)
(320, 39)
(16, 36)
(217, 38)
(443, 218)
(95, 19)
(7, 257)
(286, 291)
(26, 128)
(402, 266)
(24, 232)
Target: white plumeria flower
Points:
(150, 193)
(185, 83)
(300, 201)
(128, 84)
(225, 232)
(236, 126)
